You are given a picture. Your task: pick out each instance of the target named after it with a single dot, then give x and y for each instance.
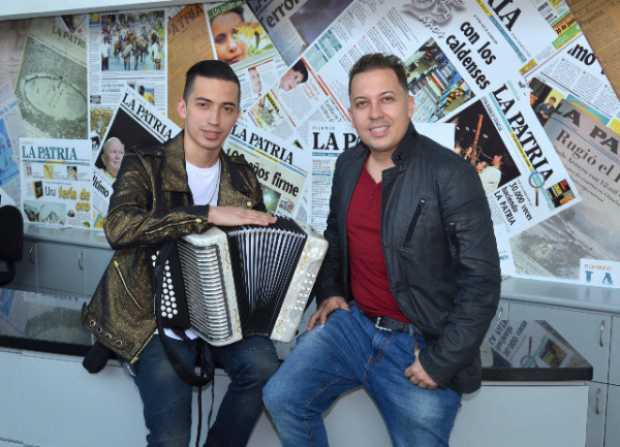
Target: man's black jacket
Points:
(439, 247)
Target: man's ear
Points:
(182, 109)
(410, 105)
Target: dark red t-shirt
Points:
(369, 280)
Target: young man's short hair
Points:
(213, 69)
(300, 68)
(374, 61)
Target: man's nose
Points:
(376, 111)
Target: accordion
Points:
(232, 282)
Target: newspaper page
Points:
(556, 248)
(531, 344)
(575, 71)
(10, 129)
(241, 41)
(328, 141)
(56, 182)
(535, 29)
(293, 25)
(13, 36)
(600, 21)
(189, 41)
(125, 48)
(275, 165)
(51, 85)
(136, 122)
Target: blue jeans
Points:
(346, 353)
(167, 399)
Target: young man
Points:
(410, 283)
(196, 186)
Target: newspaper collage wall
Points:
(513, 87)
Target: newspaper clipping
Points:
(241, 41)
(56, 181)
(275, 166)
(188, 42)
(555, 248)
(135, 123)
(531, 344)
(293, 25)
(51, 87)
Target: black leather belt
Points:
(390, 324)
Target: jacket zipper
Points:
(134, 359)
(120, 275)
(185, 222)
(414, 220)
(453, 242)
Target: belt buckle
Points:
(381, 328)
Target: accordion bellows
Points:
(249, 280)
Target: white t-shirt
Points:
(204, 183)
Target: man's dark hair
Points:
(374, 61)
(300, 68)
(212, 69)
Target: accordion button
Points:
(248, 204)
(175, 312)
(168, 275)
(167, 267)
(163, 308)
(174, 305)
(154, 257)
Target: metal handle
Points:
(597, 402)
(81, 261)
(601, 341)
(31, 254)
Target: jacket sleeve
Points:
(131, 220)
(467, 222)
(329, 280)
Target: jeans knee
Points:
(273, 398)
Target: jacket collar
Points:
(174, 172)
(404, 151)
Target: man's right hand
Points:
(228, 216)
(328, 305)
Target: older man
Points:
(410, 283)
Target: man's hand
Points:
(228, 216)
(327, 307)
(419, 377)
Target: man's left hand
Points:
(416, 374)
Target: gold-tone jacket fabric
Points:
(152, 203)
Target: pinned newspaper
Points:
(56, 182)
(581, 245)
(275, 165)
(241, 41)
(135, 123)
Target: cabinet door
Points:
(597, 402)
(614, 370)
(588, 332)
(95, 261)
(612, 433)
(26, 269)
(60, 268)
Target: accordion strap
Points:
(187, 375)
